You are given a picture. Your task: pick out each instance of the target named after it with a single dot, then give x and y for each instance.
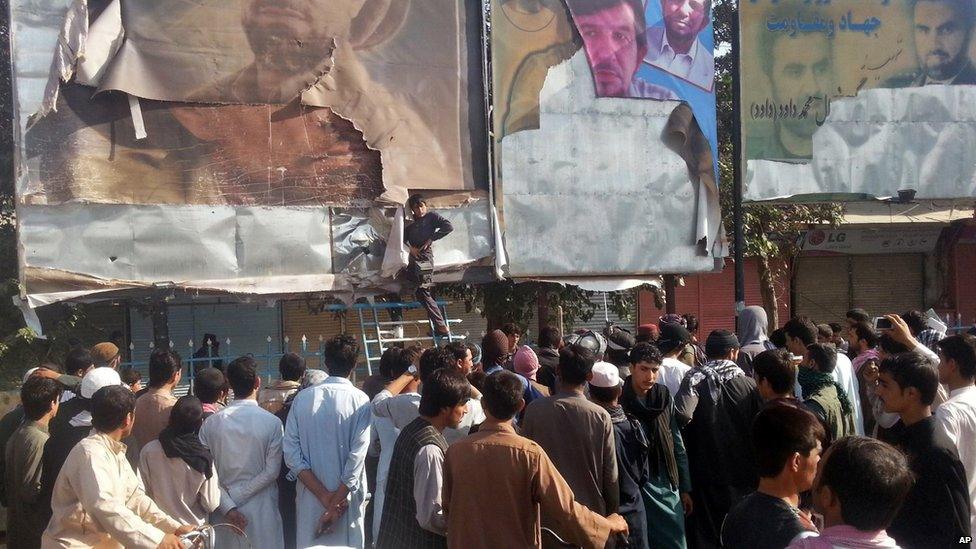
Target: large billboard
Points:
(254, 146)
(858, 99)
(604, 137)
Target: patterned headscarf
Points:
(674, 319)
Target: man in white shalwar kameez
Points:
(245, 441)
(326, 439)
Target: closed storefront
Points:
(600, 316)
(303, 318)
(711, 297)
(826, 287)
(248, 327)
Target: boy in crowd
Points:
(496, 484)
(936, 511)
(632, 449)
(775, 374)
(98, 499)
(291, 368)
(957, 416)
(788, 441)
(210, 386)
(860, 487)
(413, 514)
(22, 459)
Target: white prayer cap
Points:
(28, 374)
(96, 378)
(605, 375)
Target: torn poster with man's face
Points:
(263, 110)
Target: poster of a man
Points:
(615, 40)
(800, 72)
(849, 98)
(291, 43)
(943, 31)
(260, 135)
(673, 44)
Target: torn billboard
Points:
(858, 99)
(605, 137)
(235, 145)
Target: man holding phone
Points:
(882, 323)
(900, 333)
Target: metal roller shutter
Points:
(599, 320)
(247, 325)
(299, 321)
(888, 283)
(827, 287)
(823, 288)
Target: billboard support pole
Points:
(737, 213)
(159, 314)
(670, 301)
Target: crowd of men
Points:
(815, 436)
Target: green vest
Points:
(839, 424)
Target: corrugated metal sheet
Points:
(888, 283)
(599, 320)
(823, 287)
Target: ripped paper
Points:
(242, 146)
(599, 186)
(852, 100)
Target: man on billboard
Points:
(246, 153)
(943, 30)
(614, 38)
(292, 42)
(673, 45)
(800, 71)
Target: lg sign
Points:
(819, 237)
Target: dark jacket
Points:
(936, 511)
(287, 488)
(399, 527)
(432, 227)
(68, 410)
(632, 454)
(914, 79)
(548, 360)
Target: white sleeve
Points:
(476, 411)
(927, 353)
(428, 482)
(380, 406)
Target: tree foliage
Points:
(505, 301)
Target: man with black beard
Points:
(943, 30)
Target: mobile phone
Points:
(882, 323)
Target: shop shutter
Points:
(823, 287)
(892, 283)
(247, 325)
(964, 288)
(599, 320)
